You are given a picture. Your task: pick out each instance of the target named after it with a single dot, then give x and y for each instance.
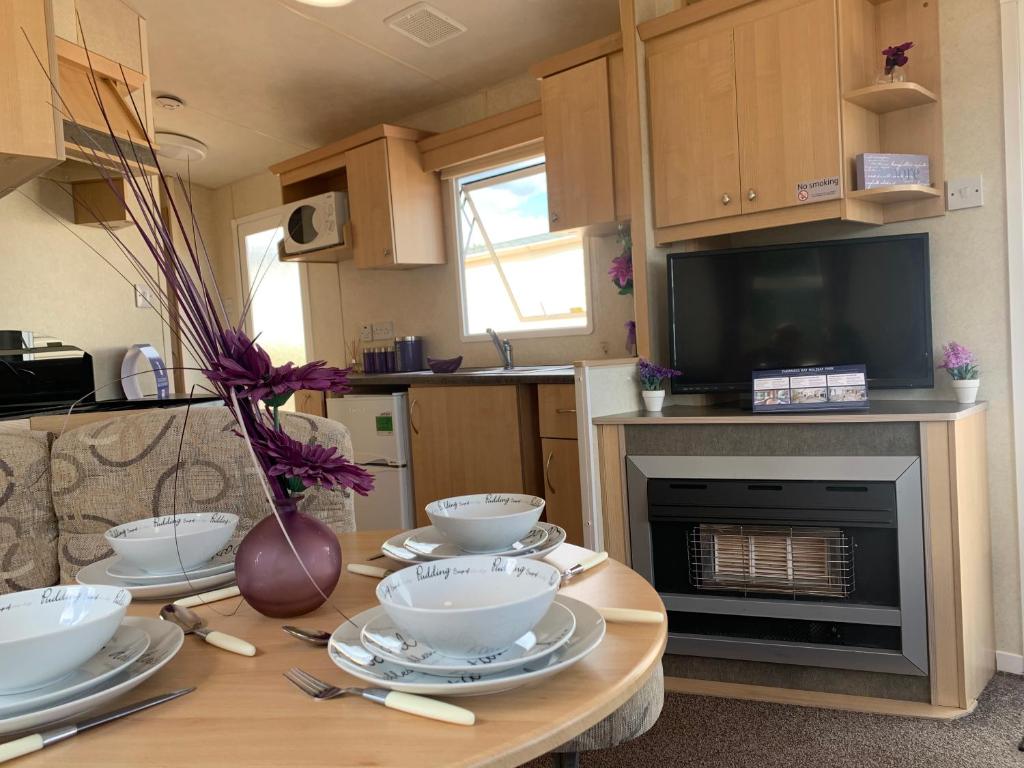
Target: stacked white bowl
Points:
(485, 522)
(45, 634)
(172, 544)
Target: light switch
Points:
(144, 296)
(384, 330)
(366, 333)
(965, 192)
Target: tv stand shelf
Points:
(949, 439)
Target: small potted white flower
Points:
(651, 377)
(961, 364)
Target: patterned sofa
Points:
(58, 494)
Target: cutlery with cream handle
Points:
(192, 623)
(205, 598)
(29, 744)
(630, 616)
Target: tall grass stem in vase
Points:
(652, 378)
(962, 366)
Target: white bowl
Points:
(172, 543)
(469, 606)
(485, 522)
(47, 633)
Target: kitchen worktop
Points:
(532, 374)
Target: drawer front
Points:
(557, 405)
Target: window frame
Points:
(454, 223)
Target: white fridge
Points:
(380, 441)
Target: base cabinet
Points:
(564, 504)
(473, 440)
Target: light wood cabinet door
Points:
(31, 140)
(788, 105)
(469, 440)
(694, 139)
(369, 205)
(578, 146)
(563, 499)
(556, 404)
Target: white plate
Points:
(127, 644)
(430, 543)
(125, 571)
(589, 632)
(165, 641)
(395, 550)
(97, 574)
(382, 637)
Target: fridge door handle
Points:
(412, 416)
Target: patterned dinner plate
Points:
(97, 574)
(395, 549)
(430, 543)
(165, 641)
(586, 636)
(380, 636)
(127, 644)
(119, 569)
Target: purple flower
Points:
(630, 336)
(246, 367)
(307, 463)
(621, 270)
(651, 374)
(959, 361)
(896, 56)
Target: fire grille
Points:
(797, 561)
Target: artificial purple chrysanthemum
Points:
(621, 270)
(896, 56)
(246, 367)
(651, 374)
(959, 361)
(630, 336)
(307, 463)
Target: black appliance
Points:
(55, 374)
(835, 302)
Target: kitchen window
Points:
(515, 276)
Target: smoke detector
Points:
(425, 24)
(175, 146)
(168, 102)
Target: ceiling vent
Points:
(425, 24)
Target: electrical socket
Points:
(144, 296)
(384, 330)
(366, 333)
(965, 192)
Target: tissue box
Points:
(883, 170)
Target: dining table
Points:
(245, 713)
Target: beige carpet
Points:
(704, 732)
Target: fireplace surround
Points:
(806, 560)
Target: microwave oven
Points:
(316, 222)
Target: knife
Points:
(29, 744)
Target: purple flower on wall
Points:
(896, 56)
(630, 337)
(621, 269)
(652, 375)
(246, 367)
(959, 361)
(301, 465)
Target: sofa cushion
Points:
(28, 525)
(127, 468)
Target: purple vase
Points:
(270, 577)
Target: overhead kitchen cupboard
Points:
(758, 110)
(583, 107)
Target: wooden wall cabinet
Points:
(396, 217)
(473, 439)
(747, 133)
(583, 109)
(31, 140)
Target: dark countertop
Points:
(879, 410)
(28, 410)
(532, 374)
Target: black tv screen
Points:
(840, 302)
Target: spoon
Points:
(355, 654)
(193, 624)
(313, 636)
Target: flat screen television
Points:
(839, 302)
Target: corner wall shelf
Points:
(889, 97)
(330, 255)
(896, 193)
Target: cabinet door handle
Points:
(554, 218)
(412, 417)
(547, 472)
(726, 199)
(565, 410)
(751, 195)
(387, 251)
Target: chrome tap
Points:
(504, 349)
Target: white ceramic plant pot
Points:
(653, 400)
(966, 390)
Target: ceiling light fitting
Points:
(174, 146)
(169, 102)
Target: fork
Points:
(404, 702)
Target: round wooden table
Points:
(244, 713)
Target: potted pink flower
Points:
(962, 366)
(651, 377)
